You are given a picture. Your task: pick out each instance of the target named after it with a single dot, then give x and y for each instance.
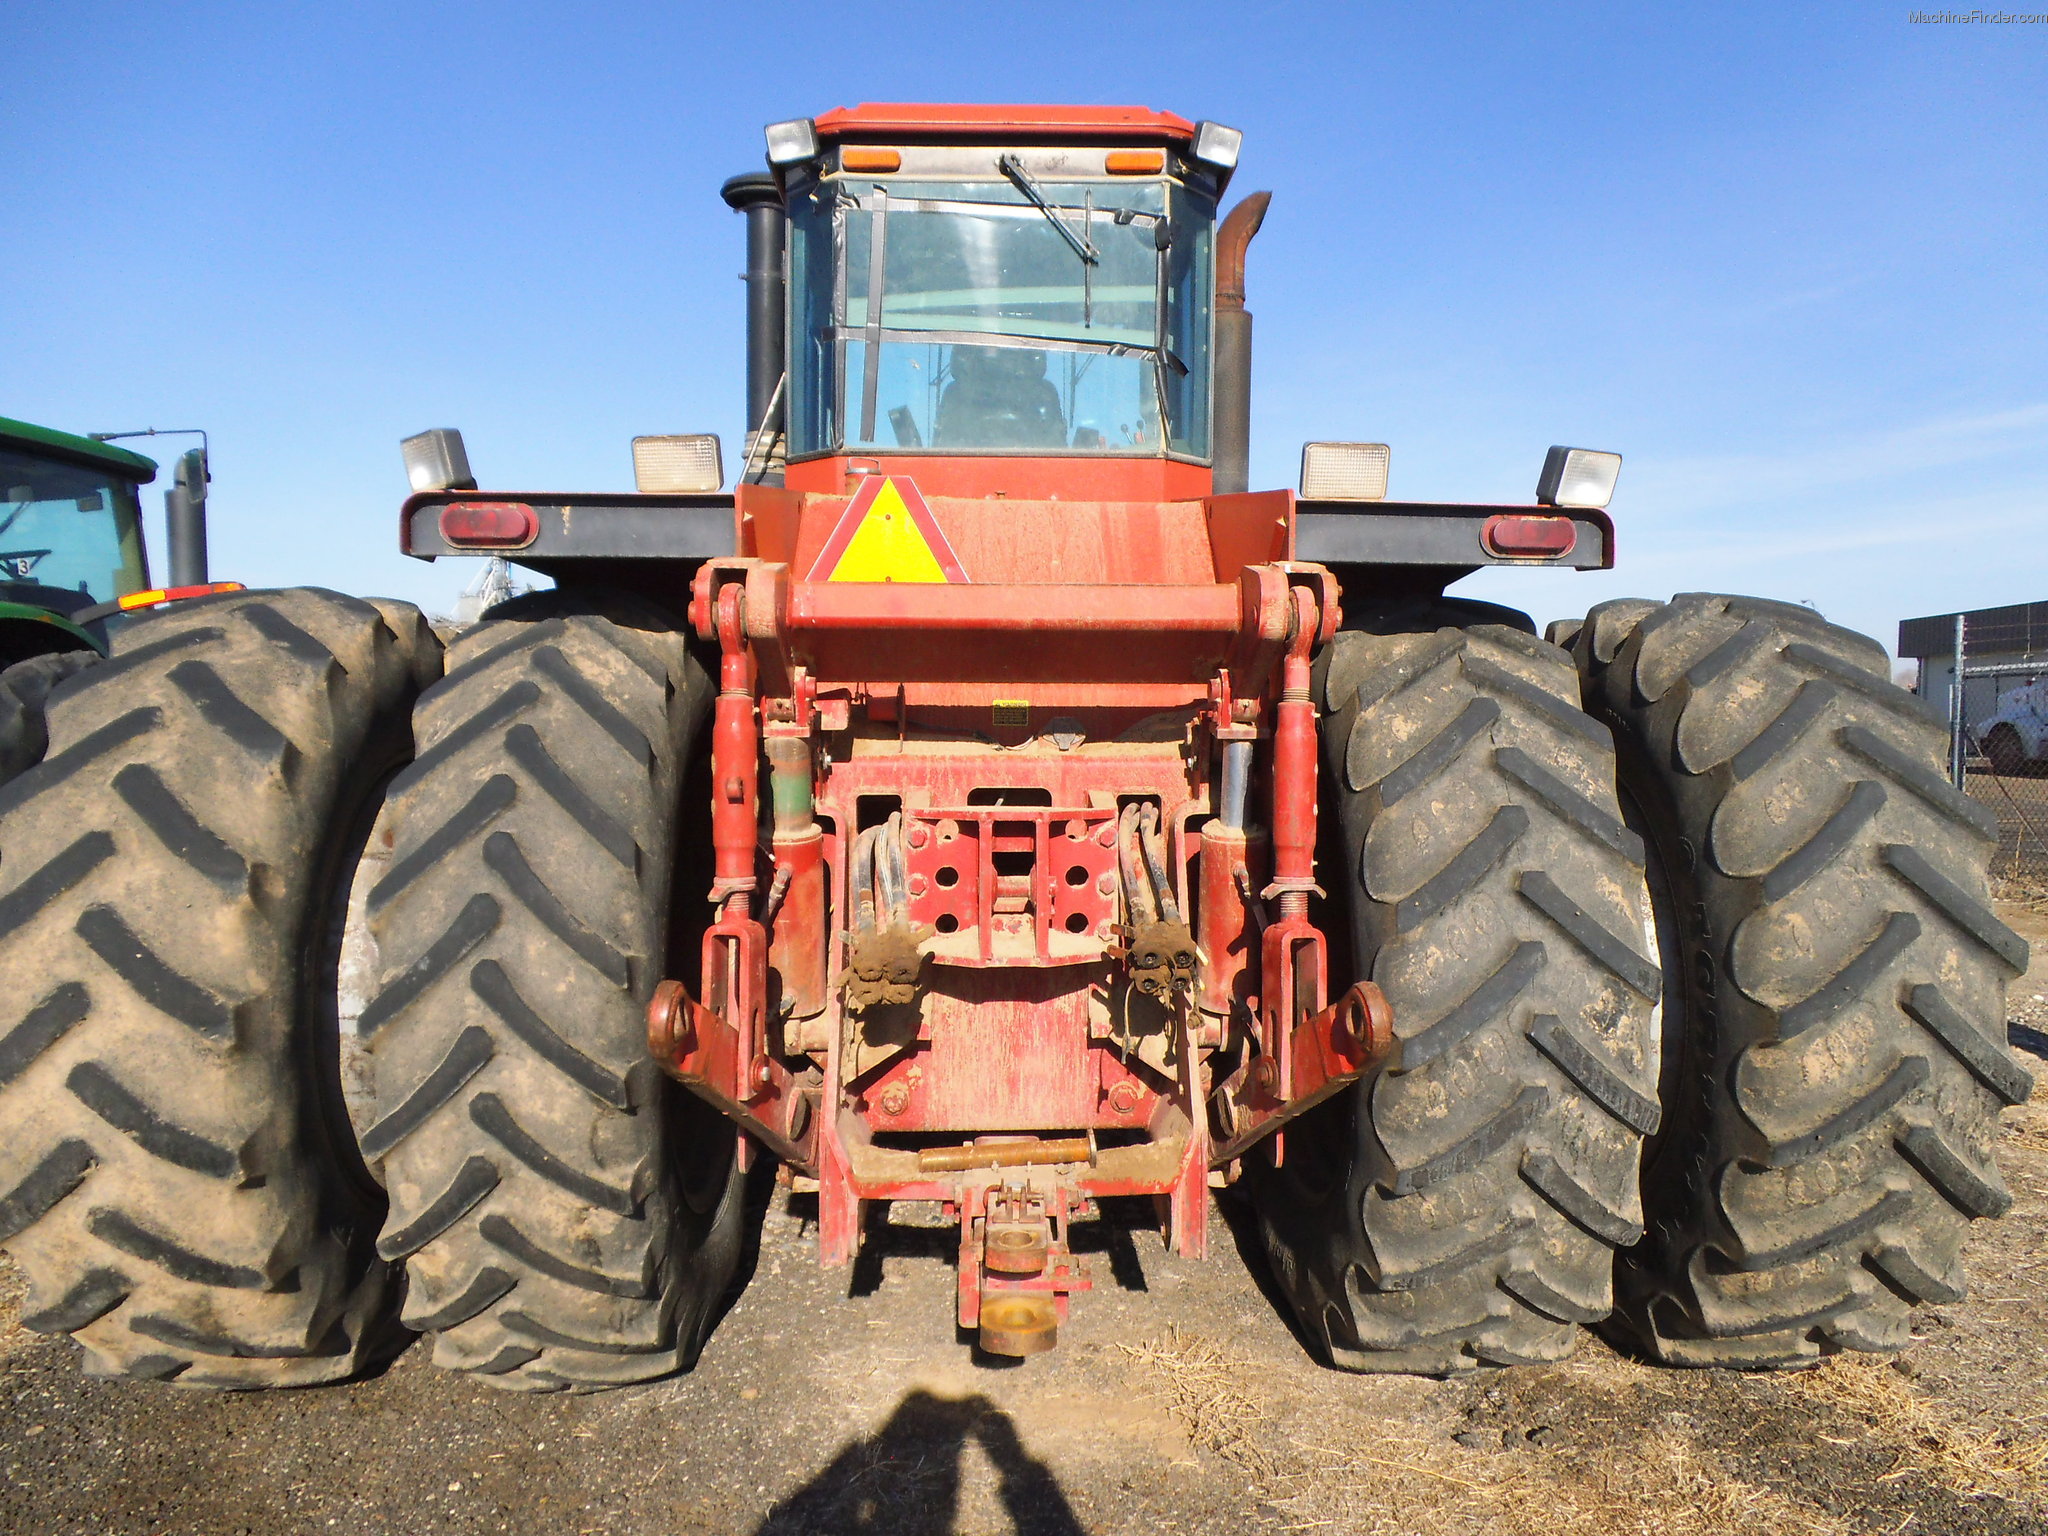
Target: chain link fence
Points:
(1998, 755)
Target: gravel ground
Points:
(1178, 1401)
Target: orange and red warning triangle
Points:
(887, 533)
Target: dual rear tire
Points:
(210, 1173)
(1700, 1034)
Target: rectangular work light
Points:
(793, 142)
(1344, 471)
(437, 461)
(1578, 477)
(1217, 145)
(684, 462)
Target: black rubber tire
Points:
(569, 1217)
(1835, 1019)
(1464, 1206)
(176, 1178)
(1423, 613)
(25, 690)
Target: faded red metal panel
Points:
(1006, 1050)
(848, 632)
(1005, 476)
(1249, 528)
(767, 516)
(1048, 542)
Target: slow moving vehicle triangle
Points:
(887, 533)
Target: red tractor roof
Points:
(927, 120)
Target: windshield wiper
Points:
(1084, 248)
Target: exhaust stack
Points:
(760, 199)
(1233, 425)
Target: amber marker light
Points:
(1135, 162)
(150, 598)
(856, 159)
(177, 594)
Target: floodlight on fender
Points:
(1578, 477)
(437, 461)
(1344, 471)
(1217, 145)
(681, 463)
(489, 524)
(793, 142)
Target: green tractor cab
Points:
(70, 538)
(73, 568)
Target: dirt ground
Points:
(1178, 1402)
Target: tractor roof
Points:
(927, 120)
(92, 453)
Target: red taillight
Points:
(1528, 536)
(489, 524)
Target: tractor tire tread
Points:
(158, 1183)
(528, 1141)
(1839, 999)
(1462, 1207)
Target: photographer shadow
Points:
(905, 1478)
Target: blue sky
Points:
(1788, 260)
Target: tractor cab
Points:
(73, 566)
(70, 536)
(1019, 299)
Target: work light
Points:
(685, 462)
(1344, 471)
(1578, 477)
(793, 142)
(1217, 145)
(437, 461)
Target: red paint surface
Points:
(998, 477)
(965, 122)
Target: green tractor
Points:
(72, 563)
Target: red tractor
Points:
(990, 802)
